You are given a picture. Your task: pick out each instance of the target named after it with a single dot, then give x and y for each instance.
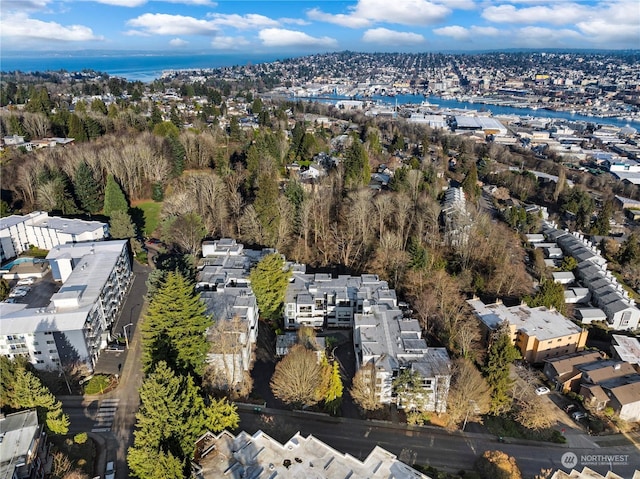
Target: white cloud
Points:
(350, 21)
(615, 22)
(558, 14)
(280, 37)
(294, 21)
(453, 31)
(242, 22)
(541, 37)
(485, 31)
(228, 43)
(21, 27)
(403, 12)
(391, 37)
(178, 42)
(23, 5)
(163, 24)
(137, 3)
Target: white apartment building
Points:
(18, 232)
(393, 343)
(224, 286)
(320, 300)
(70, 325)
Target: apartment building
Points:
(67, 320)
(25, 449)
(322, 301)
(260, 456)
(392, 343)
(18, 232)
(224, 286)
(538, 333)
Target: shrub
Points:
(80, 438)
(97, 384)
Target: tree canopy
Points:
(502, 353)
(269, 281)
(114, 199)
(174, 327)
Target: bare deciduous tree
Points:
(469, 395)
(363, 389)
(297, 377)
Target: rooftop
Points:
(627, 348)
(17, 430)
(541, 322)
(261, 457)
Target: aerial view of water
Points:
(144, 67)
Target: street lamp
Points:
(475, 407)
(124, 331)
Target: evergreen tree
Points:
(75, 129)
(333, 398)
(549, 294)
(266, 205)
(601, 225)
(5, 289)
(171, 417)
(470, 184)
(114, 199)
(98, 106)
(174, 327)
(121, 226)
(501, 354)
(269, 281)
(87, 189)
(357, 171)
(630, 251)
(27, 392)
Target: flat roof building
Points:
(259, 456)
(18, 232)
(538, 333)
(70, 323)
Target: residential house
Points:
(538, 333)
(624, 396)
(321, 301)
(595, 374)
(563, 371)
(259, 456)
(626, 348)
(383, 337)
(224, 286)
(70, 320)
(18, 232)
(606, 293)
(25, 450)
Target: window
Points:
(39, 361)
(53, 351)
(36, 343)
(50, 342)
(37, 352)
(48, 332)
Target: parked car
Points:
(542, 390)
(110, 472)
(569, 408)
(26, 282)
(577, 415)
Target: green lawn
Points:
(151, 211)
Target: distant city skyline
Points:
(302, 27)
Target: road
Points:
(121, 404)
(432, 446)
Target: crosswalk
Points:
(105, 415)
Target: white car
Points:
(542, 390)
(26, 282)
(110, 472)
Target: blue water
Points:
(17, 261)
(134, 67)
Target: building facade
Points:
(18, 232)
(72, 324)
(392, 343)
(538, 333)
(25, 450)
(322, 301)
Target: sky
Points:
(311, 26)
